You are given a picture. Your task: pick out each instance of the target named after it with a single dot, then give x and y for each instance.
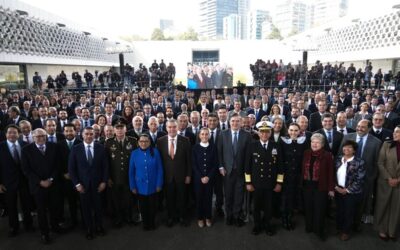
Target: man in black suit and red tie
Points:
(176, 156)
(88, 170)
(39, 163)
(13, 182)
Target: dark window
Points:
(207, 56)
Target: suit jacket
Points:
(38, 167)
(189, 134)
(37, 124)
(226, 156)
(260, 114)
(11, 121)
(64, 152)
(336, 141)
(355, 174)
(204, 162)
(88, 175)
(90, 123)
(208, 106)
(181, 166)
(384, 135)
(315, 122)
(347, 129)
(358, 117)
(10, 171)
(159, 134)
(306, 113)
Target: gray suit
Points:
(370, 156)
(234, 166)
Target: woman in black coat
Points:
(205, 165)
(293, 148)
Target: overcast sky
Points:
(125, 17)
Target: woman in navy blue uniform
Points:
(293, 148)
(146, 179)
(205, 164)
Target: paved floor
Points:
(218, 237)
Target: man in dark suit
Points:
(39, 163)
(302, 110)
(153, 130)
(110, 116)
(41, 122)
(333, 138)
(13, 182)
(316, 117)
(14, 116)
(52, 135)
(183, 121)
(231, 154)
(175, 152)
(257, 111)
(86, 121)
(341, 122)
(67, 188)
(215, 133)
(88, 170)
(377, 130)
(62, 120)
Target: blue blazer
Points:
(81, 172)
(145, 171)
(204, 161)
(355, 174)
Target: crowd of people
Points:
(278, 74)
(156, 75)
(208, 76)
(263, 153)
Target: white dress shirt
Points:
(342, 171)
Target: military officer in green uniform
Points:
(119, 150)
(263, 176)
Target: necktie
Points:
(182, 134)
(212, 141)
(43, 123)
(256, 114)
(69, 144)
(235, 142)
(27, 139)
(15, 153)
(121, 144)
(51, 138)
(265, 146)
(195, 131)
(223, 126)
(172, 149)
(89, 155)
(42, 150)
(154, 137)
(329, 137)
(86, 124)
(360, 145)
(378, 131)
(342, 131)
(160, 128)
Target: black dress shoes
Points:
(89, 235)
(239, 222)
(269, 230)
(229, 221)
(45, 239)
(170, 223)
(256, 230)
(13, 232)
(220, 212)
(100, 231)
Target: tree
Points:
(131, 38)
(157, 35)
(190, 34)
(275, 33)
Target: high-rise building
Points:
(166, 24)
(329, 10)
(291, 17)
(255, 18)
(232, 27)
(212, 13)
(243, 8)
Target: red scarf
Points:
(315, 166)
